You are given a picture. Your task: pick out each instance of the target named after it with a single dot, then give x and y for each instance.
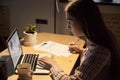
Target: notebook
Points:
(17, 56)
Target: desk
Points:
(62, 61)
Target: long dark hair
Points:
(93, 26)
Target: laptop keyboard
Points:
(31, 59)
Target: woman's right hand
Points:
(73, 48)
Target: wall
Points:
(61, 21)
(4, 21)
(24, 12)
(111, 16)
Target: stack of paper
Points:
(53, 48)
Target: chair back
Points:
(2, 43)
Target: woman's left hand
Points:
(49, 61)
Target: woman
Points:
(84, 19)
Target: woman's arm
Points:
(88, 70)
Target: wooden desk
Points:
(66, 63)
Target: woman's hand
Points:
(73, 48)
(49, 61)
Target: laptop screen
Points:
(14, 47)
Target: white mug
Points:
(24, 71)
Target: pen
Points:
(44, 43)
(74, 43)
(77, 41)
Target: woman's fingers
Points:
(48, 61)
(74, 49)
(44, 63)
(72, 43)
(44, 60)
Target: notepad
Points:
(53, 48)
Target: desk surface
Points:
(66, 63)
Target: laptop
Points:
(17, 56)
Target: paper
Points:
(53, 48)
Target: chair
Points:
(2, 43)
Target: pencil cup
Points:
(24, 71)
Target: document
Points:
(53, 48)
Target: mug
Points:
(24, 71)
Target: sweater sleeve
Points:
(88, 70)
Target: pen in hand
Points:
(76, 41)
(73, 48)
(73, 43)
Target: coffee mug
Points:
(24, 71)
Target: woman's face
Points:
(74, 25)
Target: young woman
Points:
(84, 19)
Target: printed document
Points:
(53, 48)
